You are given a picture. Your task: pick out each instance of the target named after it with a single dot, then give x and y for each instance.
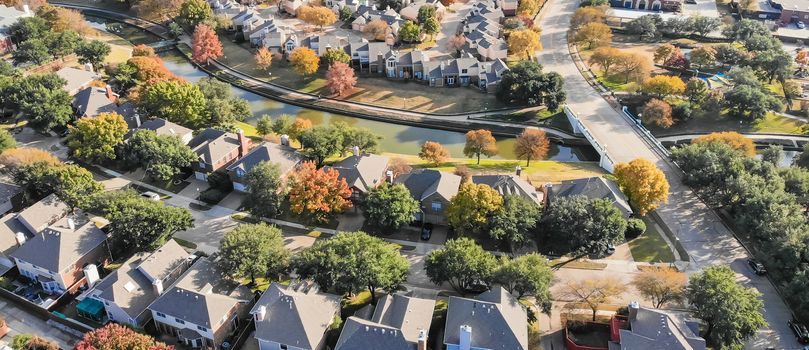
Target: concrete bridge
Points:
(605, 160)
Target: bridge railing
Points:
(644, 132)
(606, 161)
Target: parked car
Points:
(150, 195)
(801, 334)
(690, 1)
(426, 231)
(757, 267)
(610, 249)
(800, 24)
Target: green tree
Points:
(745, 101)
(95, 139)
(345, 13)
(337, 55)
(703, 25)
(33, 51)
(264, 125)
(410, 32)
(696, 90)
(27, 28)
(732, 313)
(472, 208)
(223, 109)
(527, 275)
(587, 226)
(321, 142)
(462, 263)
(194, 12)
(139, 224)
(283, 125)
(773, 154)
(179, 102)
(390, 207)
(425, 13)
(266, 190)
(729, 54)
(71, 183)
(254, 250)
(7, 140)
(162, 156)
(93, 52)
(645, 26)
(515, 220)
(352, 261)
(61, 44)
(42, 99)
(525, 83)
(802, 159)
(745, 28)
(432, 26)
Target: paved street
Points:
(700, 231)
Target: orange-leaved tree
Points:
(532, 144)
(434, 153)
(480, 142)
(340, 78)
(115, 336)
(317, 193)
(657, 112)
(733, 139)
(263, 58)
(205, 44)
(304, 61)
(643, 183)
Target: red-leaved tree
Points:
(117, 337)
(206, 44)
(318, 193)
(341, 78)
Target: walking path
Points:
(795, 140)
(700, 231)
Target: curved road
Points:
(697, 227)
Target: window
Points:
(179, 321)
(436, 206)
(451, 81)
(239, 172)
(463, 71)
(202, 328)
(202, 165)
(160, 314)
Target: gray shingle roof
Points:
(364, 172)
(43, 213)
(9, 226)
(286, 158)
(165, 127)
(295, 318)
(360, 334)
(659, 330)
(510, 185)
(497, 319)
(211, 144)
(93, 101)
(407, 314)
(594, 187)
(422, 183)
(58, 246)
(8, 190)
(76, 78)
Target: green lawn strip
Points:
(704, 122)
(650, 246)
(186, 244)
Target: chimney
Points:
(110, 95)
(422, 342)
(89, 67)
(71, 224)
(137, 120)
(157, 286)
(518, 170)
(91, 273)
(261, 313)
(633, 310)
(20, 238)
(26, 9)
(356, 151)
(244, 144)
(465, 339)
(389, 176)
(284, 140)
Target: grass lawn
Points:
(582, 264)
(262, 283)
(708, 122)
(538, 172)
(650, 246)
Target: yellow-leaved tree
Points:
(469, 211)
(643, 183)
(304, 60)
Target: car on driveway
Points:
(426, 231)
(800, 25)
(150, 195)
(801, 333)
(757, 267)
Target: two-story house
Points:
(433, 189)
(216, 150)
(292, 318)
(77, 79)
(56, 257)
(127, 291)
(287, 158)
(594, 188)
(362, 172)
(511, 185)
(17, 228)
(8, 16)
(493, 320)
(164, 127)
(410, 8)
(203, 308)
(399, 322)
(92, 101)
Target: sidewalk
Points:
(21, 322)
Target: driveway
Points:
(700, 231)
(20, 321)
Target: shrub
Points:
(634, 228)
(682, 112)
(220, 180)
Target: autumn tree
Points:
(585, 15)
(158, 9)
(661, 285)
(696, 90)
(119, 337)
(206, 45)
(378, 29)
(254, 250)
(143, 50)
(606, 57)
(634, 66)
(643, 183)
(594, 34)
(657, 112)
(461, 263)
(434, 153)
(263, 58)
(16, 157)
(62, 19)
(703, 56)
(734, 139)
(664, 85)
(456, 42)
(480, 142)
(298, 127)
(304, 61)
(524, 41)
(469, 211)
(95, 139)
(317, 15)
(593, 291)
(340, 79)
(318, 193)
(802, 59)
(664, 52)
(531, 144)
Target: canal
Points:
(396, 138)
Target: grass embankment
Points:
(650, 246)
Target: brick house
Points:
(216, 150)
(652, 5)
(433, 189)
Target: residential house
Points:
(655, 329)
(291, 6)
(289, 318)
(10, 194)
(353, 5)
(365, 14)
(510, 185)
(92, 101)
(321, 44)
(399, 323)
(164, 127)
(490, 74)
(9, 16)
(127, 291)
(493, 320)
(410, 9)
(216, 150)
(653, 5)
(63, 256)
(244, 21)
(17, 228)
(594, 187)
(433, 190)
(269, 35)
(203, 308)
(509, 7)
(77, 79)
(287, 158)
(362, 172)
(787, 11)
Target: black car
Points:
(757, 267)
(801, 334)
(426, 231)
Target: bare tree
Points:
(593, 292)
(661, 285)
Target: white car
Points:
(150, 195)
